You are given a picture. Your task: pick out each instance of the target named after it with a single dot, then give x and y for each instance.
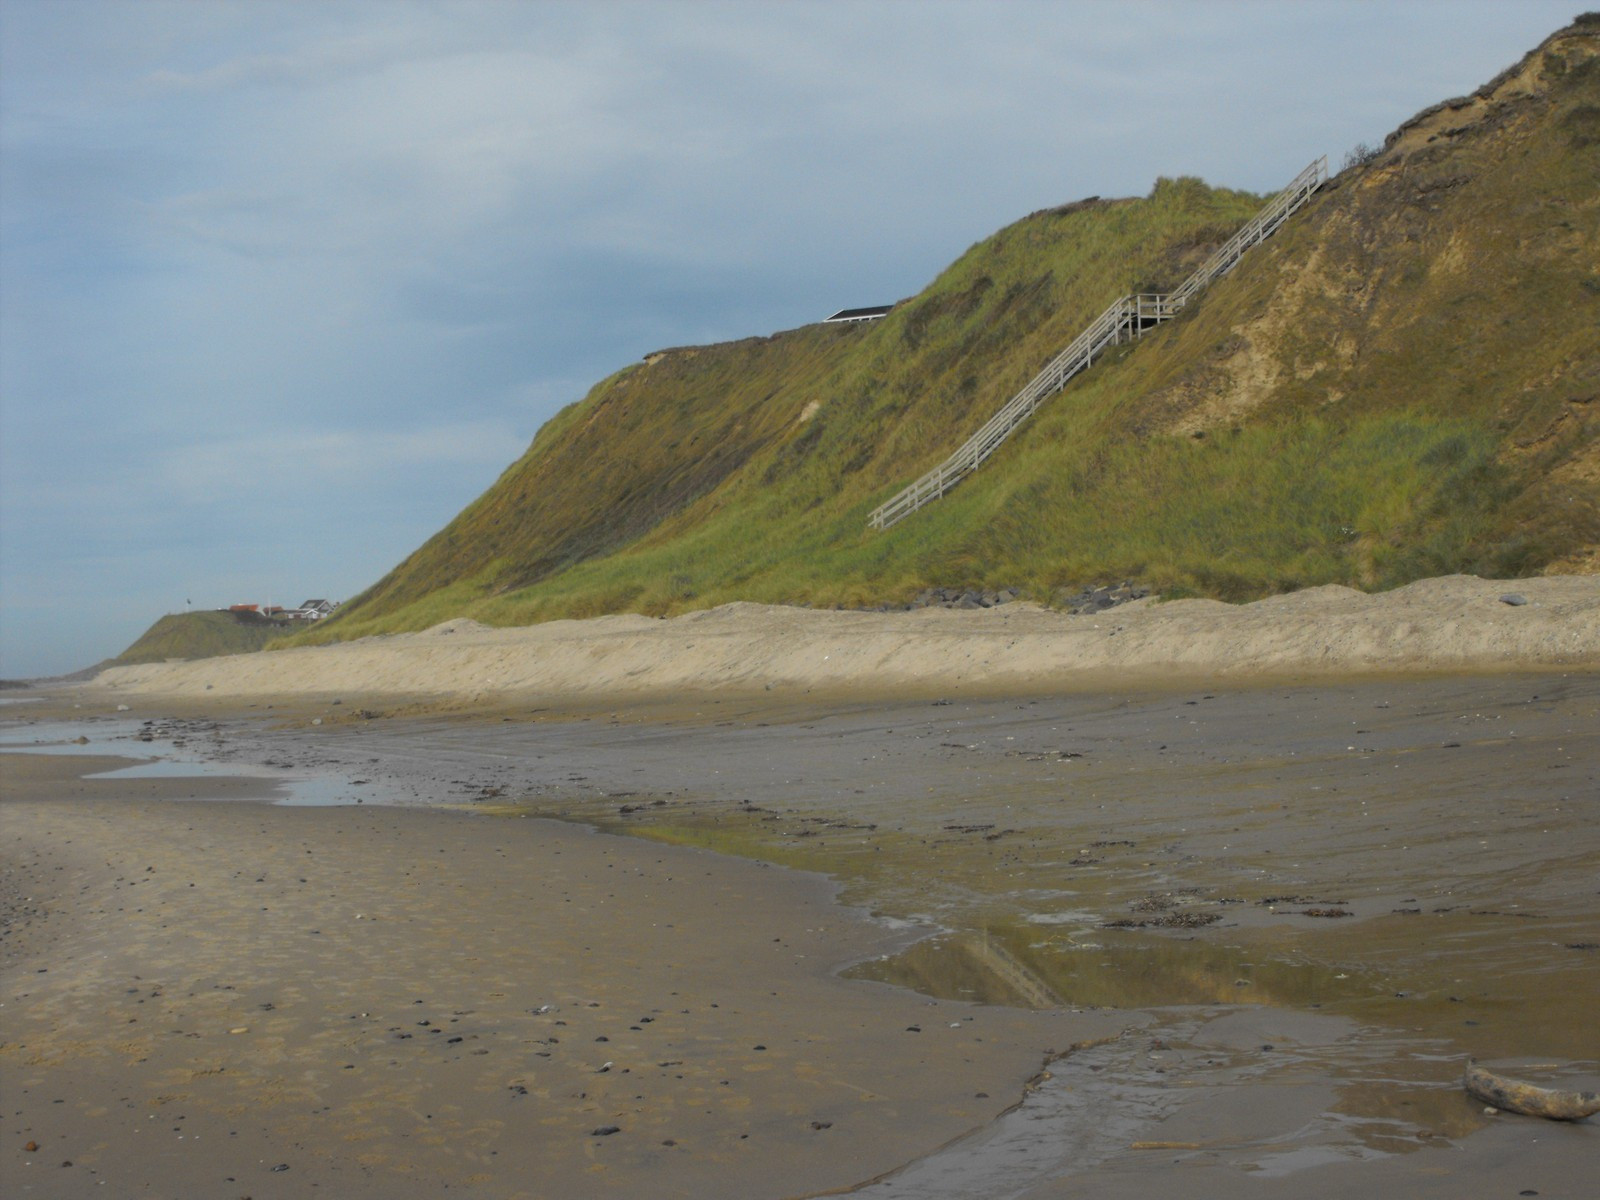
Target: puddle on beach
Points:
(69, 737)
(1023, 921)
(1105, 969)
(1179, 1087)
(169, 758)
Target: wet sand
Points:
(1268, 1046)
(215, 998)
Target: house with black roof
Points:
(858, 314)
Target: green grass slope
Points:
(1401, 383)
(199, 635)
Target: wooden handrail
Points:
(1125, 320)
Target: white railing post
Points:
(1128, 314)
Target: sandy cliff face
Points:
(1460, 266)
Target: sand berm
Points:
(1445, 624)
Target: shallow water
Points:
(60, 737)
(172, 755)
(1104, 1102)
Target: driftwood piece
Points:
(1514, 1096)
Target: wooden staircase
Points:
(1124, 321)
(1011, 971)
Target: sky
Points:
(284, 286)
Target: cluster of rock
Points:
(963, 598)
(1073, 600)
(1097, 599)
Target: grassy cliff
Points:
(199, 635)
(1402, 382)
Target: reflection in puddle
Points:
(1008, 965)
(1026, 924)
(161, 768)
(308, 791)
(320, 791)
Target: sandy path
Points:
(1439, 624)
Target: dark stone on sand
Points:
(606, 1131)
(967, 598)
(1094, 599)
(1515, 599)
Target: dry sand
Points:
(1453, 623)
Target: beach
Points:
(943, 917)
(380, 1002)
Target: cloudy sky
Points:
(285, 285)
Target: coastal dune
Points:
(1449, 623)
